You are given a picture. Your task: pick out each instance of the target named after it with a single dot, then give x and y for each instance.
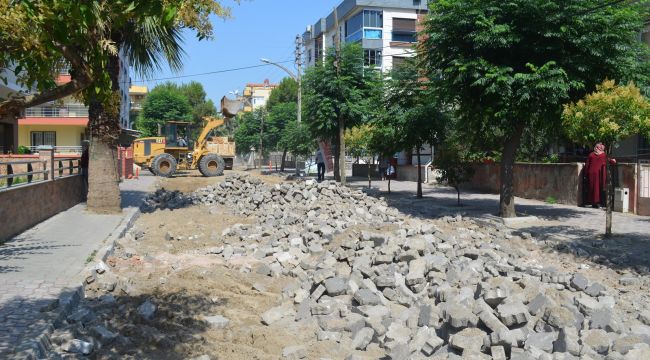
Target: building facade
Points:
(256, 95)
(137, 94)
(8, 123)
(386, 29)
(64, 123)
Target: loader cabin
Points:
(176, 133)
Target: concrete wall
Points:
(25, 206)
(534, 181)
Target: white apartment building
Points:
(386, 29)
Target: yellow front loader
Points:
(163, 155)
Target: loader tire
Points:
(151, 170)
(212, 165)
(164, 165)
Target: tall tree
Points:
(507, 66)
(285, 92)
(340, 93)
(283, 100)
(162, 104)
(413, 110)
(609, 115)
(251, 131)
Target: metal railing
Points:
(59, 149)
(20, 173)
(66, 110)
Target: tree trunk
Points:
(507, 198)
(103, 177)
(342, 150)
(609, 195)
(388, 184)
(337, 154)
(369, 179)
(419, 175)
(458, 193)
(284, 157)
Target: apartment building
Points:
(64, 123)
(137, 94)
(256, 95)
(386, 29)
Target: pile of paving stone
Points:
(413, 289)
(163, 199)
(375, 280)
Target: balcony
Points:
(62, 111)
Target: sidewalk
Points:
(39, 264)
(576, 226)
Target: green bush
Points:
(23, 150)
(551, 200)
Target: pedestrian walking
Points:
(595, 173)
(320, 164)
(383, 166)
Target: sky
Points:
(257, 29)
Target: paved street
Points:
(37, 265)
(574, 224)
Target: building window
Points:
(398, 61)
(40, 138)
(404, 30)
(372, 57)
(367, 24)
(318, 49)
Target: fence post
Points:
(52, 163)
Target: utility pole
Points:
(299, 67)
(342, 172)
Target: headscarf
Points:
(599, 148)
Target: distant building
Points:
(8, 124)
(64, 123)
(386, 29)
(257, 95)
(137, 94)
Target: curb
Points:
(38, 347)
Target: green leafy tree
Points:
(413, 110)
(161, 105)
(285, 92)
(454, 165)
(384, 140)
(609, 115)
(280, 115)
(358, 140)
(340, 93)
(251, 131)
(505, 66)
(297, 139)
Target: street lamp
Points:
(298, 79)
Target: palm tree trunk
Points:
(103, 179)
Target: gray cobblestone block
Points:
(217, 321)
(322, 308)
(147, 310)
(587, 305)
(597, 340)
(606, 320)
(629, 280)
(513, 314)
(336, 286)
(294, 352)
(498, 353)
(559, 317)
(468, 339)
(644, 317)
(538, 304)
(366, 297)
(318, 292)
(567, 341)
(541, 340)
(594, 289)
(398, 333)
(491, 321)
(579, 282)
(362, 338)
(329, 336)
(104, 335)
(77, 346)
(459, 316)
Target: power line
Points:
(207, 73)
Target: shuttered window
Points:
(403, 25)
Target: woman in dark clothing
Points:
(596, 175)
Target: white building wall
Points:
(388, 50)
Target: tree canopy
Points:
(162, 104)
(508, 66)
(285, 92)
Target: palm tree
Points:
(146, 44)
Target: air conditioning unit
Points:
(622, 199)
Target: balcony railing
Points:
(68, 110)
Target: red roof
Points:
(80, 121)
